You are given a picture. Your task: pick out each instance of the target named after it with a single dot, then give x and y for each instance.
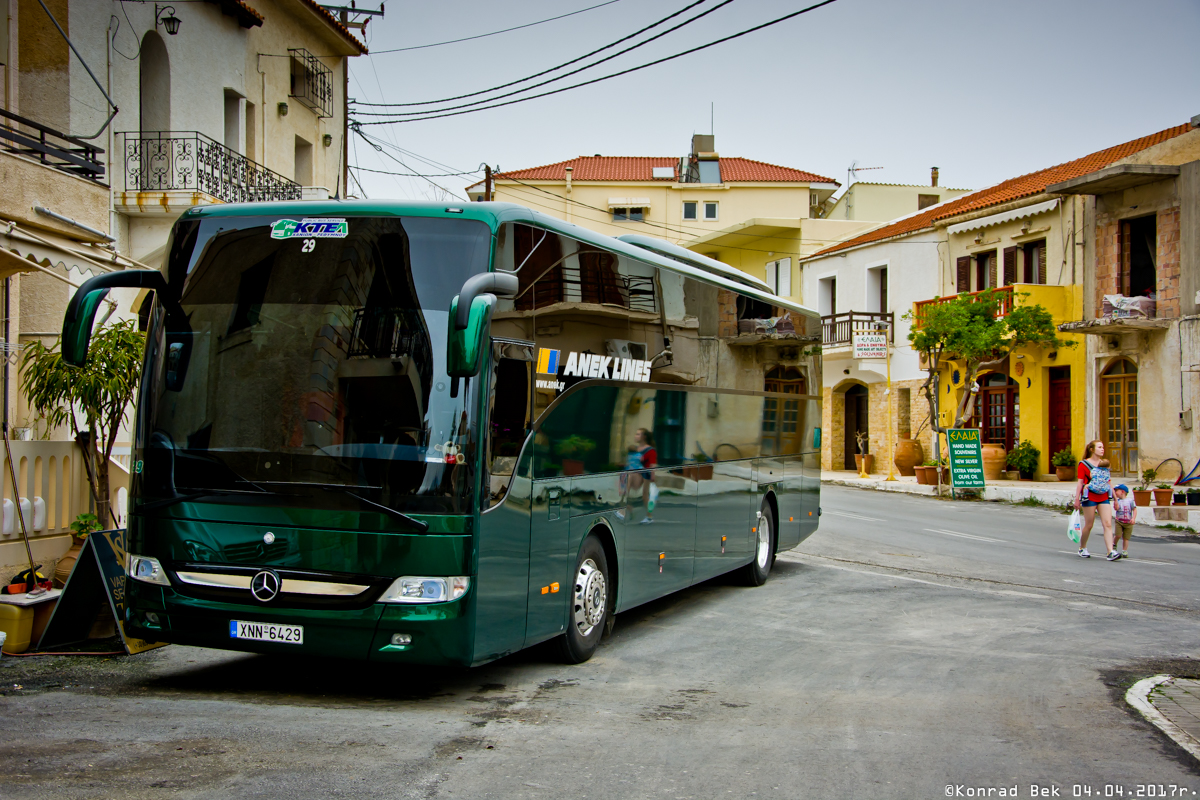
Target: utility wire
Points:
(543, 72)
(494, 33)
(417, 174)
(401, 163)
(615, 74)
(576, 71)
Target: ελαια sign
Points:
(870, 344)
(965, 446)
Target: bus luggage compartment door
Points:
(548, 567)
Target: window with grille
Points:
(311, 82)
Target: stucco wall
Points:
(882, 202)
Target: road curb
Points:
(1138, 696)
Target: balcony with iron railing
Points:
(839, 329)
(189, 161)
(33, 140)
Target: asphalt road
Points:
(912, 648)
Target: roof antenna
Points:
(712, 119)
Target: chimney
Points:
(933, 176)
(570, 172)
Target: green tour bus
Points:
(425, 434)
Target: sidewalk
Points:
(1052, 493)
(1173, 705)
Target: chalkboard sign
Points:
(966, 458)
(98, 577)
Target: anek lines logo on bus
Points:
(311, 228)
(589, 365)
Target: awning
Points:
(1007, 216)
(29, 250)
(628, 202)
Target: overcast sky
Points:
(983, 90)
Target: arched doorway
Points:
(1119, 416)
(781, 428)
(857, 418)
(998, 409)
(155, 85)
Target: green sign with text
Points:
(966, 458)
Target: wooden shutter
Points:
(992, 270)
(1010, 266)
(1041, 263)
(964, 274)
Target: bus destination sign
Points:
(966, 458)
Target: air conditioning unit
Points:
(623, 348)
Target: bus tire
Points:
(755, 573)
(591, 603)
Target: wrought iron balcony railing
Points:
(838, 329)
(391, 333)
(161, 161)
(34, 140)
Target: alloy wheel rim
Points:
(764, 542)
(591, 597)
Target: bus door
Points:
(549, 570)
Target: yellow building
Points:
(882, 202)
(676, 199)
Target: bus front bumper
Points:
(434, 633)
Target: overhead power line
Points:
(546, 71)
(494, 33)
(656, 62)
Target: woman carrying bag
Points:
(1093, 491)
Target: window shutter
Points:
(992, 270)
(1041, 264)
(784, 272)
(772, 276)
(964, 275)
(1010, 266)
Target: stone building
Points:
(1140, 234)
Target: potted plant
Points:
(574, 445)
(1162, 494)
(926, 473)
(862, 459)
(1180, 497)
(1024, 459)
(1064, 464)
(1193, 497)
(700, 470)
(83, 526)
(1141, 495)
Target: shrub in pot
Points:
(1193, 497)
(1180, 498)
(1064, 464)
(1024, 459)
(1162, 494)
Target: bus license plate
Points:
(262, 632)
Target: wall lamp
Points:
(170, 22)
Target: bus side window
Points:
(508, 413)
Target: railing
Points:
(160, 161)
(51, 479)
(1004, 295)
(50, 147)
(311, 82)
(839, 328)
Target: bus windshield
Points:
(306, 358)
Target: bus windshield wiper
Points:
(419, 524)
(196, 495)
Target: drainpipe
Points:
(7, 343)
(567, 203)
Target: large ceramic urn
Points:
(909, 453)
(995, 460)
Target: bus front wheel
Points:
(755, 573)
(590, 607)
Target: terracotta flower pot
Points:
(1162, 497)
(870, 458)
(572, 466)
(1065, 473)
(995, 458)
(1141, 497)
(909, 453)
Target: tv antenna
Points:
(852, 172)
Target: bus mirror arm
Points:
(500, 284)
(81, 310)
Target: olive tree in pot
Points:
(91, 400)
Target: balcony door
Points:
(1119, 416)
(781, 431)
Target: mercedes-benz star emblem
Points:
(264, 586)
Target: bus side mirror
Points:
(470, 319)
(465, 348)
(81, 311)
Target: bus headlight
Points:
(425, 590)
(146, 569)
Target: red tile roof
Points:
(640, 168)
(1012, 189)
(246, 16)
(336, 24)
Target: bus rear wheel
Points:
(755, 573)
(590, 604)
